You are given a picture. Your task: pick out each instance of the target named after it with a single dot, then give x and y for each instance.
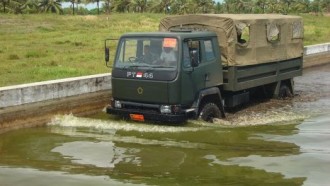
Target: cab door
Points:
(201, 68)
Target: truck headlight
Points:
(117, 104)
(165, 109)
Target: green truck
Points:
(197, 66)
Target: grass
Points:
(316, 29)
(44, 47)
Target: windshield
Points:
(147, 53)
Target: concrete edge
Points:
(315, 49)
(41, 113)
(54, 89)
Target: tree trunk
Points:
(72, 8)
(98, 8)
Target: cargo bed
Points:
(238, 78)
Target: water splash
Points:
(268, 117)
(261, 115)
(115, 125)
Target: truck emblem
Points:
(139, 90)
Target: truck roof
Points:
(178, 34)
(267, 37)
(241, 17)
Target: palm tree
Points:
(316, 6)
(218, 8)
(326, 5)
(287, 5)
(262, 5)
(239, 4)
(227, 5)
(4, 4)
(203, 6)
(74, 2)
(162, 6)
(139, 5)
(273, 6)
(108, 4)
(181, 7)
(233, 6)
(97, 3)
(303, 6)
(53, 6)
(15, 6)
(122, 5)
(30, 6)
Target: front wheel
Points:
(210, 111)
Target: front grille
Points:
(140, 108)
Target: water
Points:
(284, 142)
(83, 151)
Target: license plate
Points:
(137, 117)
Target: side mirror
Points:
(107, 56)
(107, 51)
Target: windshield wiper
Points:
(161, 66)
(134, 66)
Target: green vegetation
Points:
(316, 29)
(49, 46)
(44, 47)
(167, 6)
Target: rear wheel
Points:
(285, 92)
(210, 111)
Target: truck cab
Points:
(165, 76)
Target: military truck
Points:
(197, 66)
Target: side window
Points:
(186, 56)
(297, 30)
(273, 32)
(243, 33)
(194, 50)
(129, 49)
(191, 53)
(209, 52)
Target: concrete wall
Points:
(315, 49)
(316, 55)
(48, 90)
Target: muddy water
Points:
(273, 142)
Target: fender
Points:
(207, 92)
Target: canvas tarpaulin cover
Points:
(271, 37)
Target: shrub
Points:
(13, 57)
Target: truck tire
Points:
(285, 92)
(210, 111)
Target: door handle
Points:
(207, 77)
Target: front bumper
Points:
(148, 115)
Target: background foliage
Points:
(167, 6)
